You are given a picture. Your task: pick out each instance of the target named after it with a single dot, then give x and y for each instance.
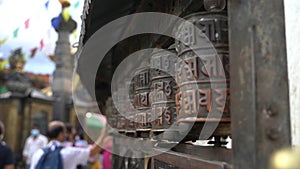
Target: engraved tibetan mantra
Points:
(141, 99)
(202, 73)
(163, 89)
(121, 118)
(129, 119)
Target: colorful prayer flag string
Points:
(66, 14)
(47, 4)
(41, 44)
(76, 5)
(3, 41)
(16, 32)
(27, 23)
(33, 52)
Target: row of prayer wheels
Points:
(185, 86)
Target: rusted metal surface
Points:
(142, 85)
(204, 70)
(129, 119)
(121, 102)
(117, 108)
(259, 81)
(175, 160)
(163, 90)
(259, 106)
(112, 116)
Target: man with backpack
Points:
(55, 156)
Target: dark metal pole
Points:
(258, 81)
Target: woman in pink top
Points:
(106, 153)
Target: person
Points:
(106, 154)
(80, 142)
(69, 142)
(71, 156)
(79, 139)
(34, 142)
(6, 155)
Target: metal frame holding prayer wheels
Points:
(259, 81)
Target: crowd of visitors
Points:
(62, 148)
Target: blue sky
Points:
(14, 13)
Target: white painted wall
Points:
(292, 19)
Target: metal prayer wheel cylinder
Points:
(214, 5)
(112, 117)
(213, 25)
(120, 104)
(130, 111)
(129, 123)
(141, 99)
(142, 119)
(121, 123)
(110, 113)
(163, 89)
(202, 74)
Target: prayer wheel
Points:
(130, 111)
(121, 101)
(112, 113)
(109, 110)
(141, 102)
(163, 89)
(202, 75)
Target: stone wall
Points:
(18, 121)
(34, 109)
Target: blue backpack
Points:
(51, 159)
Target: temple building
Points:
(27, 98)
(22, 102)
